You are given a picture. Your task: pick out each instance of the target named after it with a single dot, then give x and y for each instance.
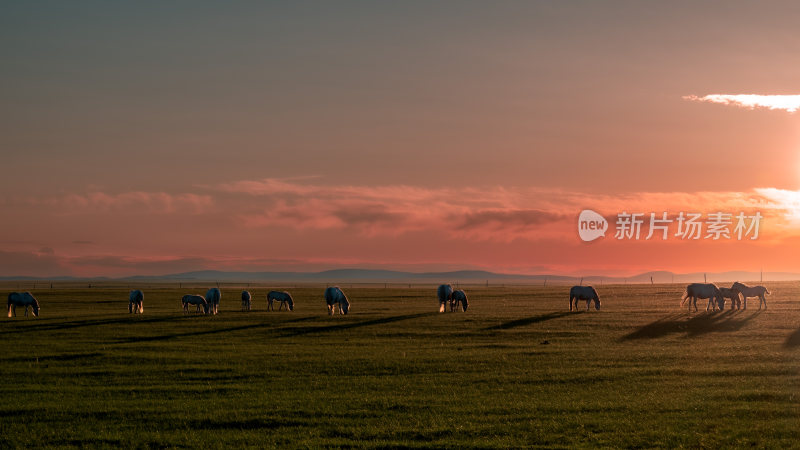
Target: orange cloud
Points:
(490, 213)
(303, 223)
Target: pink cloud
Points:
(491, 213)
(128, 202)
(304, 223)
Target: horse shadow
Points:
(300, 331)
(165, 337)
(698, 325)
(531, 320)
(793, 340)
(56, 358)
(44, 326)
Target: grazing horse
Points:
(197, 300)
(213, 296)
(755, 291)
(583, 293)
(24, 299)
(736, 301)
(703, 290)
(334, 296)
(136, 302)
(245, 301)
(445, 294)
(459, 296)
(283, 297)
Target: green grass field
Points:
(516, 370)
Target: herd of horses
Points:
(738, 294)
(210, 303)
(716, 296)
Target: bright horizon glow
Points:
(788, 103)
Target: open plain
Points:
(516, 370)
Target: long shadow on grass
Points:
(713, 322)
(299, 331)
(793, 340)
(530, 320)
(165, 337)
(59, 358)
(51, 326)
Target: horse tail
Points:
(685, 296)
(9, 303)
(767, 291)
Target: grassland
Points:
(516, 370)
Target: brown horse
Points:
(280, 296)
(197, 300)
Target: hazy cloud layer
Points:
(491, 213)
(789, 103)
(277, 224)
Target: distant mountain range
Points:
(463, 276)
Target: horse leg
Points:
(763, 300)
(570, 303)
(588, 301)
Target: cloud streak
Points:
(788, 103)
(499, 214)
(297, 224)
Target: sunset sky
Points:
(159, 137)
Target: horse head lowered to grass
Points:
(136, 302)
(24, 299)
